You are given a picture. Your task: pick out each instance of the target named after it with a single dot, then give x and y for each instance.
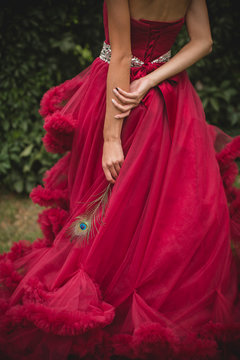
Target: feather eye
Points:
(86, 225)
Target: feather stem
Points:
(85, 225)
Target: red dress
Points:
(158, 278)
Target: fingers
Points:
(122, 115)
(117, 166)
(131, 99)
(108, 175)
(124, 99)
(131, 95)
(122, 108)
(112, 171)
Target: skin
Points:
(120, 102)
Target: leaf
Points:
(205, 102)
(18, 186)
(29, 186)
(26, 151)
(214, 104)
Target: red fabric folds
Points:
(54, 191)
(61, 129)
(59, 126)
(160, 278)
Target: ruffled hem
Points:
(56, 97)
(51, 222)
(227, 151)
(45, 312)
(90, 338)
(60, 126)
(37, 309)
(54, 191)
(152, 341)
(60, 130)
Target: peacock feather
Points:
(87, 224)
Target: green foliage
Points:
(41, 46)
(45, 43)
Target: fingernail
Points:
(113, 100)
(116, 117)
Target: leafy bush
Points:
(41, 46)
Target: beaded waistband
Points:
(105, 55)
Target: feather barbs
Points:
(86, 225)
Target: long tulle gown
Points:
(151, 271)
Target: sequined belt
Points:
(105, 55)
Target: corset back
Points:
(149, 39)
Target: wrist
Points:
(150, 81)
(111, 137)
(112, 129)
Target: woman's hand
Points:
(112, 158)
(138, 89)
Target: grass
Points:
(18, 219)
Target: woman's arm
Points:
(119, 66)
(118, 75)
(200, 45)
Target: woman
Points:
(136, 258)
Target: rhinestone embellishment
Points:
(105, 55)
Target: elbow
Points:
(209, 46)
(204, 46)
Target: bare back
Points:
(158, 10)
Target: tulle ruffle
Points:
(58, 125)
(83, 327)
(227, 152)
(54, 191)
